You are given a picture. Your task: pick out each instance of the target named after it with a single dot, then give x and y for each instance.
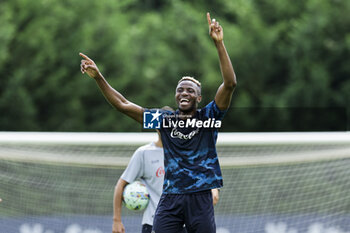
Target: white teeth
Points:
(184, 100)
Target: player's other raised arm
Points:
(224, 93)
(114, 97)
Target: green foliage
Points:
(285, 54)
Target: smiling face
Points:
(187, 97)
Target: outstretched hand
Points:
(88, 66)
(215, 29)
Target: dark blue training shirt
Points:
(190, 158)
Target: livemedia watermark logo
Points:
(153, 119)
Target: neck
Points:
(158, 143)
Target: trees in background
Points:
(292, 60)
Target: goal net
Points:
(273, 182)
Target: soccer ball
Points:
(136, 196)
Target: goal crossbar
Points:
(339, 147)
(146, 137)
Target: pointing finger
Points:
(85, 57)
(208, 18)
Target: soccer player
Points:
(191, 164)
(147, 164)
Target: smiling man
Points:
(188, 95)
(191, 164)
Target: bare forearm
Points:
(89, 67)
(224, 94)
(118, 100)
(228, 74)
(113, 96)
(117, 202)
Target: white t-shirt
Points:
(147, 164)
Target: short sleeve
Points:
(213, 111)
(134, 169)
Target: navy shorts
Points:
(146, 228)
(195, 210)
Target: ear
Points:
(199, 99)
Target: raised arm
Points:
(114, 97)
(224, 92)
